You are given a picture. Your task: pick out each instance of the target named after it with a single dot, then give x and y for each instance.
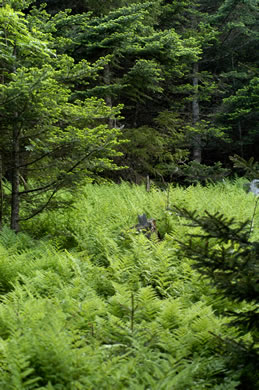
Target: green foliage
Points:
(223, 252)
(194, 172)
(117, 306)
(250, 168)
(89, 296)
(139, 56)
(142, 59)
(155, 150)
(120, 306)
(246, 101)
(43, 128)
(237, 22)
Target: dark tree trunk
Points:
(240, 133)
(108, 98)
(15, 202)
(15, 198)
(197, 150)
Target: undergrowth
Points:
(87, 302)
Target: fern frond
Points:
(148, 305)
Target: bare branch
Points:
(38, 211)
(59, 181)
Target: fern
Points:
(119, 306)
(15, 243)
(18, 364)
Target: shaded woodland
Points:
(106, 283)
(123, 90)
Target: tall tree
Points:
(193, 93)
(182, 69)
(144, 59)
(236, 57)
(42, 128)
(227, 33)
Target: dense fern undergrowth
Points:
(88, 303)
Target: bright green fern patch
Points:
(90, 303)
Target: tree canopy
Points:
(167, 89)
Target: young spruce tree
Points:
(224, 253)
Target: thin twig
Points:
(132, 313)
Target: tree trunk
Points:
(15, 201)
(240, 133)
(197, 150)
(108, 98)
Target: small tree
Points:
(224, 253)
